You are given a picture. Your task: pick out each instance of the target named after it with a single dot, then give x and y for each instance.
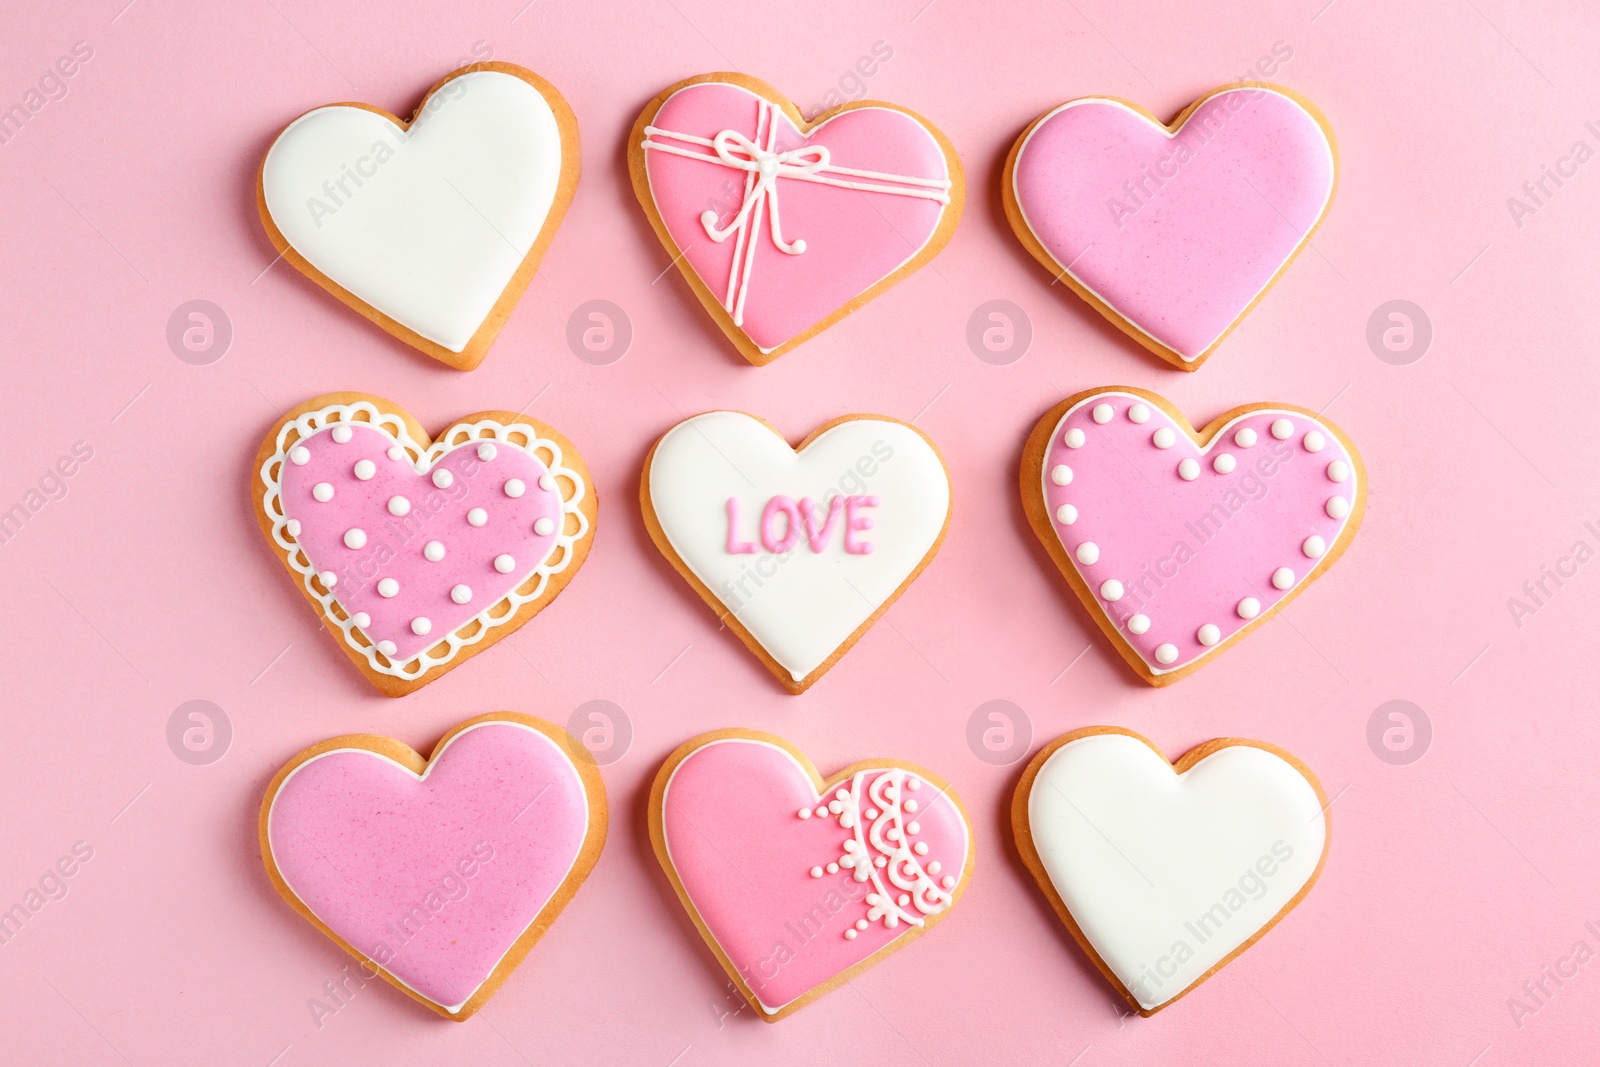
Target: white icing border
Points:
(1305, 238)
(588, 816)
(422, 460)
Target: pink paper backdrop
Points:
(1452, 880)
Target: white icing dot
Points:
(399, 505)
(1102, 413)
(421, 626)
(816, 872)
(1189, 470)
(365, 469)
(1314, 547)
(544, 527)
(340, 434)
(433, 551)
(1061, 474)
(1314, 441)
(903, 899)
(805, 813)
(328, 579)
(862, 924)
(322, 492)
(1111, 589)
(443, 478)
(913, 784)
(1073, 438)
(388, 588)
(1166, 653)
(504, 563)
(1139, 624)
(822, 812)
(872, 813)
(293, 526)
(1066, 514)
(933, 868)
(1282, 578)
(514, 487)
(461, 594)
(547, 482)
(477, 516)
(355, 538)
(1088, 553)
(920, 848)
(1139, 413)
(486, 451)
(911, 805)
(1338, 507)
(836, 806)
(1248, 608)
(1282, 429)
(1245, 437)
(396, 453)
(1338, 471)
(299, 455)
(833, 868)
(361, 619)
(881, 861)
(948, 882)
(849, 935)
(386, 647)
(1208, 635)
(1163, 438)
(1224, 463)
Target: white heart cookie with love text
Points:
(799, 551)
(431, 229)
(1164, 872)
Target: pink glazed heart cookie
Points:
(439, 874)
(783, 227)
(419, 553)
(1182, 542)
(799, 883)
(1173, 232)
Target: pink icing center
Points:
(1176, 234)
(1184, 554)
(759, 873)
(388, 552)
(435, 878)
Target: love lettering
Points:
(784, 521)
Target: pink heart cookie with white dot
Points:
(796, 882)
(1181, 542)
(421, 553)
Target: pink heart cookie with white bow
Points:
(1182, 542)
(437, 874)
(799, 883)
(420, 553)
(782, 227)
(1173, 232)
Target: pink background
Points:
(1451, 881)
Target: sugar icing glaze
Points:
(861, 196)
(1167, 874)
(427, 225)
(1181, 551)
(384, 533)
(799, 604)
(1177, 233)
(381, 855)
(795, 886)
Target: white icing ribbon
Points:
(763, 165)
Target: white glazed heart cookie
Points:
(1165, 872)
(798, 550)
(433, 228)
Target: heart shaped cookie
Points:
(433, 228)
(1173, 232)
(797, 550)
(799, 883)
(868, 193)
(437, 874)
(1165, 872)
(420, 554)
(1180, 543)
